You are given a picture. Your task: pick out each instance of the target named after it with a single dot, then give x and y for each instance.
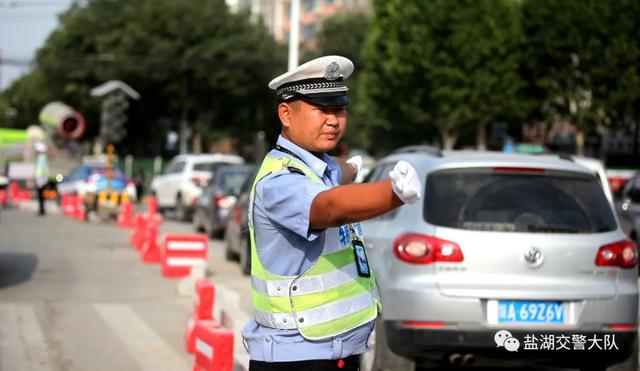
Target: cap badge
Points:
(332, 72)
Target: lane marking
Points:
(145, 346)
(22, 344)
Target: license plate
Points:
(530, 312)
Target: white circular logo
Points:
(534, 257)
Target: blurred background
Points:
(191, 76)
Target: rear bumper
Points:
(436, 344)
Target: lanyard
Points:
(288, 152)
(284, 150)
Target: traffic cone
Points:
(149, 251)
(125, 218)
(137, 237)
(152, 205)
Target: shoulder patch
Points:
(295, 170)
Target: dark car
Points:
(236, 235)
(219, 196)
(629, 208)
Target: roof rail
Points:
(429, 150)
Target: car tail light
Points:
(421, 249)
(224, 202)
(623, 327)
(623, 254)
(199, 181)
(237, 215)
(416, 324)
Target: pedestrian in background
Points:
(315, 299)
(41, 174)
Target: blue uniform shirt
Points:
(286, 246)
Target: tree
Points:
(440, 64)
(582, 62)
(345, 34)
(191, 60)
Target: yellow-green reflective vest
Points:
(326, 300)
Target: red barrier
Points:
(213, 347)
(182, 251)
(4, 197)
(202, 311)
(80, 212)
(17, 194)
(68, 204)
(125, 217)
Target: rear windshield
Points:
(549, 202)
(232, 180)
(208, 166)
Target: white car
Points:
(180, 185)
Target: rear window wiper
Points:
(553, 229)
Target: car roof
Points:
(471, 158)
(208, 157)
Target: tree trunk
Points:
(481, 137)
(448, 139)
(580, 142)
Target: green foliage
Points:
(345, 34)
(450, 66)
(187, 58)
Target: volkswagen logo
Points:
(534, 257)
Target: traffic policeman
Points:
(315, 299)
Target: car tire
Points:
(245, 256)
(631, 363)
(379, 357)
(228, 254)
(197, 225)
(182, 214)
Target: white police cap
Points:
(40, 147)
(319, 81)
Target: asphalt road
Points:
(75, 296)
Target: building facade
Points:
(276, 15)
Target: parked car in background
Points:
(91, 178)
(236, 235)
(218, 198)
(500, 246)
(180, 185)
(629, 208)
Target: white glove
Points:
(356, 162)
(405, 182)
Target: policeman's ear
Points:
(285, 111)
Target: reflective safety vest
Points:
(326, 300)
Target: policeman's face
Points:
(315, 128)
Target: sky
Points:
(24, 27)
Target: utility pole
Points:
(294, 34)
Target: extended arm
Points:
(352, 203)
(357, 202)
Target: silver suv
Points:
(507, 260)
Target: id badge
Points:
(361, 259)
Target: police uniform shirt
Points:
(287, 246)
